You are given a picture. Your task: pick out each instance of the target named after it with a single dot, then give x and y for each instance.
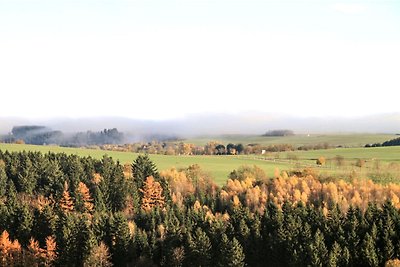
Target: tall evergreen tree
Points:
(369, 255)
(231, 253)
(142, 168)
(318, 250)
(199, 249)
(3, 179)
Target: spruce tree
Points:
(199, 249)
(369, 256)
(231, 253)
(334, 255)
(318, 250)
(3, 179)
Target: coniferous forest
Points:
(65, 210)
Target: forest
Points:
(42, 135)
(64, 210)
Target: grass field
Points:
(220, 166)
(345, 140)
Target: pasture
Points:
(380, 163)
(344, 140)
(219, 167)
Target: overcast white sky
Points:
(160, 59)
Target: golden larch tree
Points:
(10, 252)
(66, 202)
(152, 194)
(50, 254)
(86, 198)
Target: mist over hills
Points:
(213, 124)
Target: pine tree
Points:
(142, 168)
(199, 249)
(368, 251)
(318, 250)
(26, 175)
(23, 223)
(334, 255)
(3, 179)
(231, 253)
(121, 240)
(84, 239)
(66, 240)
(45, 222)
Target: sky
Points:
(161, 59)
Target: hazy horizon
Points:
(254, 123)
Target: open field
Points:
(220, 166)
(345, 140)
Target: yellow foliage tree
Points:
(152, 194)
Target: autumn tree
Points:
(152, 194)
(85, 200)
(66, 202)
(10, 251)
(50, 253)
(321, 161)
(99, 257)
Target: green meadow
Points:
(345, 140)
(379, 162)
(219, 167)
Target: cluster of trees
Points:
(211, 148)
(279, 133)
(107, 136)
(315, 146)
(33, 134)
(180, 148)
(39, 135)
(393, 142)
(65, 210)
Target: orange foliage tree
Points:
(66, 202)
(86, 198)
(152, 194)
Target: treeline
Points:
(64, 210)
(211, 148)
(393, 142)
(40, 135)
